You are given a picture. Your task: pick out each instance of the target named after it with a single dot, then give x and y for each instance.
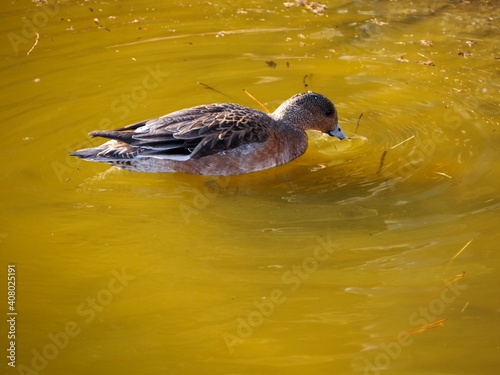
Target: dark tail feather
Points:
(132, 127)
(114, 134)
(86, 153)
(106, 155)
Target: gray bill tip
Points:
(337, 132)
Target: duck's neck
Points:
(292, 137)
(285, 115)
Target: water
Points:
(344, 261)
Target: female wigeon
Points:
(217, 139)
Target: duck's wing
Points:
(190, 133)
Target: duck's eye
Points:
(328, 113)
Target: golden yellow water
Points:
(332, 264)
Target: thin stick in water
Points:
(455, 278)
(357, 126)
(34, 45)
(211, 88)
(428, 326)
(465, 306)
(304, 80)
(256, 101)
(389, 149)
(96, 20)
(462, 249)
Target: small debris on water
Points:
(401, 58)
(271, 64)
(444, 174)
(317, 8)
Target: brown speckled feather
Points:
(197, 132)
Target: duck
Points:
(220, 139)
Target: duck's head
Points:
(310, 111)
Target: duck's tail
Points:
(87, 153)
(110, 151)
(118, 148)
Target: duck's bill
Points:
(338, 133)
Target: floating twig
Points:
(357, 126)
(455, 278)
(96, 20)
(428, 326)
(256, 101)
(389, 149)
(420, 54)
(34, 45)
(462, 249)
(211, 88)
(465, 306)
(444, 174)
(428, 62)
(304, 79)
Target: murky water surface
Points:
(375, 255)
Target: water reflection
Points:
(207, 253)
